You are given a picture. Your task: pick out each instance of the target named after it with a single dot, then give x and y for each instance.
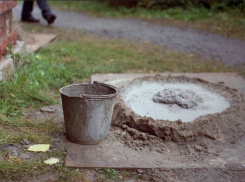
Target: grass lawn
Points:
(72, 58)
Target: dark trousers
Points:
(28, 7)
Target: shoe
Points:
(50, 19)
(30, 19)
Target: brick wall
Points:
(6, 35)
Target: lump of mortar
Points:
(184, 98)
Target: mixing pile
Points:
(202, 119)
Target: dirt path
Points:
(229, 50)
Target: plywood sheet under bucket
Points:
(111, 153)
(142, 142)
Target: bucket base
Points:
(83, 142)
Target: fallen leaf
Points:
(38, 57)
(16, 159)
(51, 161)
(39, 148)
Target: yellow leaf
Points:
(51, 161)
(39, 148)
(38, 57)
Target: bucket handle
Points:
(86, 96)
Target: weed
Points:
(109, 173)
(17, 57)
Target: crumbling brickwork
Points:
(7, 36)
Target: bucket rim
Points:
(91, 96)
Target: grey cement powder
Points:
(140, 99)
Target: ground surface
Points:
(229, 50)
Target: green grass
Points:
(228, 21)
(29, 86)
(72, 58)
(109, 173)
(89, 55)
(16, 170)
(183, 13)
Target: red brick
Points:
(10, 12)
(10, 26)
(0, 54)
(7, 5)
(3, 46)
(12, 38)
(2, 7)
(1, 20)
(6, 16)
(2, 32)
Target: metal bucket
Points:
(88, 111)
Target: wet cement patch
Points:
(139, 97)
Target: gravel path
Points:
(229, 50)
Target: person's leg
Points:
(27, 8)
(46, 11)
(26, 12)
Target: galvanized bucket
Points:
(88, 111)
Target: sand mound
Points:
(203, 135)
